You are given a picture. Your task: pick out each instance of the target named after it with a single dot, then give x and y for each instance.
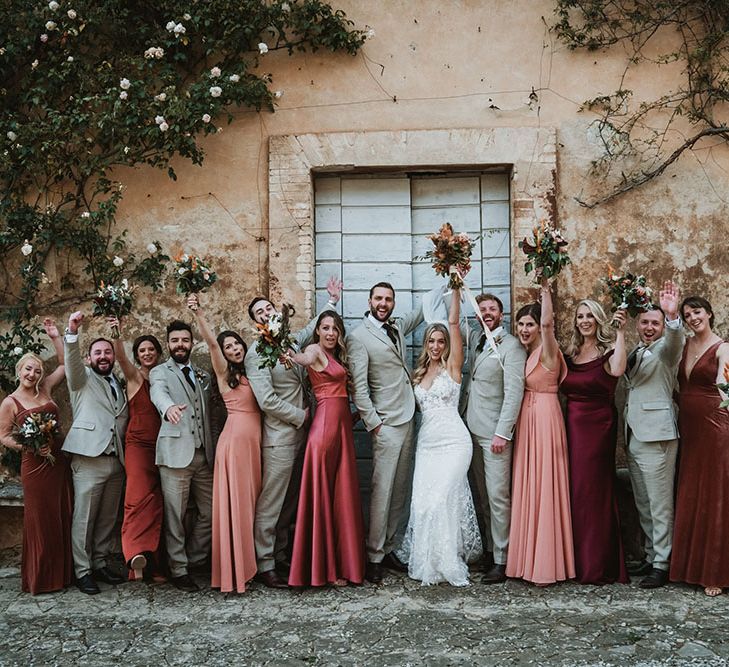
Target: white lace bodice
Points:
(443, 393)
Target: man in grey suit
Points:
(651, 431)
(185, 455)
(282, 398)
(383, 395)
(491, 402)
(96, 441)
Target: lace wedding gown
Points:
(442, 534)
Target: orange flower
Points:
(726, 371)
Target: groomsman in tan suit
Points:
(651, 431)
(490, 404)
(96, 441)
(185, 455)
(383, 395)
(282, 398)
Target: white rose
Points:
(117, 261)
(370, 34)
(50, 25)
(234, 78)
(206, 118)
(123, 95)
(170, 26)
(262, 47)
(181, 271)
(216, 91)
(126, 149)
(44, 38)
(215, 72)
(285, 7)
(86, 214)
(26, 248)
(180, 29)
(185, 257)
(125, 283)
(69, 59)
(161, 97)
(163, 127)
(17, 351)
(152, 248)
(34, 64)
(53, 5)
(71, 14)
(278, 94)
(159, 120)
(12, 136)
(187, 17)
(124, 84)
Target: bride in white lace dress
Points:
(442, 535)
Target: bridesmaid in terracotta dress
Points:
(143, 505)
(329, 543)
(540, 540)
(701, 531)
(237, 471)
(593, 369)
(46, 564)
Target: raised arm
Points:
(220, 365)
(550, 347)
(669, 299)
(455, 359)
(311, 356)
(54, 378)
(131, 373)
(618, 361)
(75, 369)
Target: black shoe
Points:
(655, 579)
(495, 575)
(199, 568)
(373, 573)
(640, 569)
(283, 567)
(106, 575)
(185, 583)
(392, 562)
(270, 579)
(86, 584)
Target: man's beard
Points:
(180, 355)
(98, 371)
(373, 311)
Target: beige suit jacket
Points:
(97, 417)
(649, 410)
(176, 443)
(383, 391)
(492, 396)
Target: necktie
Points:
(481, 343)
(187, 371)
(633, 358)
(391, 332)
(111, 386)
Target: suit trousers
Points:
(276, 505)
(392, 466)
(97, 488)
(497, 478)
(652, 467)
(178, 484)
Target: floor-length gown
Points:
(236, 485)
(591, 422)
(701, 529)
(442, 535)
(329, 542)
(540, 540)
(46, 564)
(143, 505)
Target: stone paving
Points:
(397, 623)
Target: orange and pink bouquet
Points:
(451, 254)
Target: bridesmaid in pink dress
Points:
(540, 539)
(237, 472)
(329, 543)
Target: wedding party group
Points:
(276, 498)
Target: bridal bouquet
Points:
(113, 301)
(37, 431)
(193, 274)
(628, 292)
(546, 252)
(274, 338)
(451, 254)
(724, 386)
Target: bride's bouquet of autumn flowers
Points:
(275, 339)
(628, 292)
(36, 432)
(192, 274)
(546, 252)
(451, 256)
(724, 386)
(114, 301)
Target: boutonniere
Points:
(122, 381)
(202, 378)
(498, 339)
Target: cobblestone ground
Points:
(397, 623)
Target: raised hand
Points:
(50, 328)
(75, 321)
(114, 322)
(193, 302)
(334, 289)
(620, 318)
(668, 298)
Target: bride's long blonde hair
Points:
(421, 366)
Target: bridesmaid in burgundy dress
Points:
(329, 543)
(46, 563)
(143, 509)
(701, 530)
(593, 369)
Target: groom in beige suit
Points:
(185, 454)
(490, 404)
(383, 395)
(651, 431)
(96, 441)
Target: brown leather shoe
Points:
(495, 575)
(392, 562)
(373, 573)
(271, 579)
